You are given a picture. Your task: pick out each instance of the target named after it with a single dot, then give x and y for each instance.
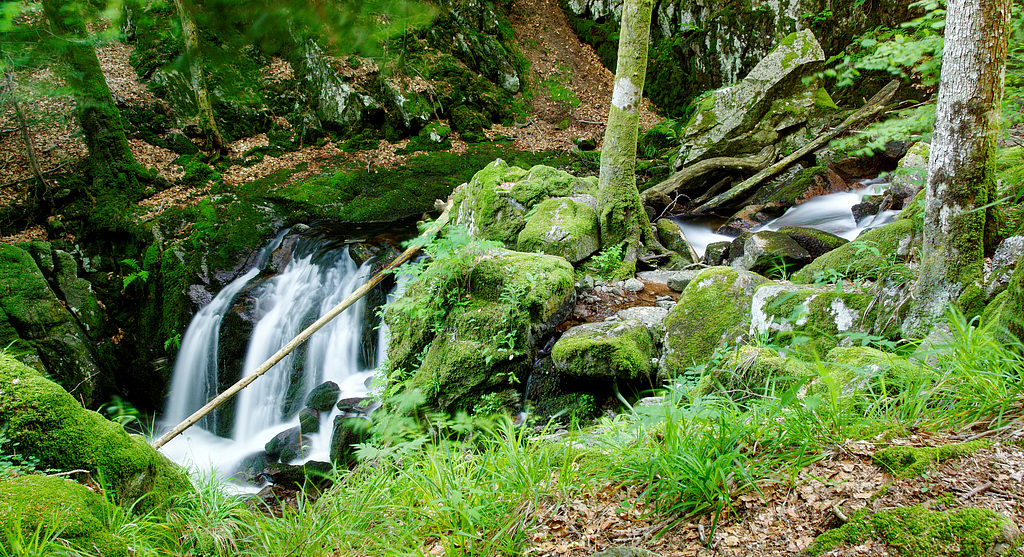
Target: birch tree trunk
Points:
(198, 77)
(622, 215)
(960, 178)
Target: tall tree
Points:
(114, 173)
(622, 216)
(960, 179)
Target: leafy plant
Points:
(136, 272)
(12, 463)
(608, 260)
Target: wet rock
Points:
(347, 432)
(816, 242)
(316, 474)
(286, 446)
(323, 396)
(672, 237)
(765, 252)
(309, 421)
(716, 253)
(250, 468)
(353, 404)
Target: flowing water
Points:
(309, 285)
(831, 213)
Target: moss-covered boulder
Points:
(673, 238)
(42, 326)
(50, 425)
(713, 311)
(816, 242)
(561, 226)
(61, 508)
(495, 202)
(917, 531)
(906, 461)
(771, 253)
(854, 369)
(824, 314)
(470, 325)
(743, 118)
(756, 369)
(607, 351)
(877, 253)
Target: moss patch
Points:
(919, 532)
(60, 506)
(907, 462)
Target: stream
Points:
(312, 282)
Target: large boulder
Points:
(49, 425)
(771, 253)
(495, 203)
(47, 504)
(824, 313)
(713, 311)
(606, 351)
(770, 101)
(42, 327)
(562, 226)
(472, 324)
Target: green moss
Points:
(919, 532)
(616, 350)
(51, 426)
(713, 311)
(562, 227)
(754, 369)
(875, 254)
(59, 506)
(864, 369)
(793, 190)
(908, 462)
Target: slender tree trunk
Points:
(198, 77)
(115, 174)
(30, 152)
(960, 178)
(622, 216)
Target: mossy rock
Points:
(494, 204)
(875, 254)
(856, 369)
(544, 285)
(609, 350)
(62, 507)
(908, 462)
(755, 369)
(820, 313)
(920, 532)
(561, 226)
(43, 322)
(713, 311)
(672, 237)
(50, 425)
(816, 242)
(771, 254)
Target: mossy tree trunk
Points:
(116, 177)
(198, 77)
(622, 215)
(960, 171)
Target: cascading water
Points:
(281, 306)
(831, 213)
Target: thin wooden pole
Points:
(301, 337)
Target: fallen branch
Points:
(301, 337)
(691, 175)
(873, 106)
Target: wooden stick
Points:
(873, 106)
(327, 317)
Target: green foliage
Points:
(607, 261)
(136, 273)
(11, 462)
(42, 540)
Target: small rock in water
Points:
(323, 396)
(309, 421)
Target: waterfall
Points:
(280, 307)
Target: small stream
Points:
(831, 213)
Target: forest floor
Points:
(787, 514)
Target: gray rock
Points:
(652, 317)
(679, 279)
(1007, 257)
(765, 251)
(633, 285)
(563, 227)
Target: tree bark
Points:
(30, 152)
(622, 216)
(960, 178)
(691, 176)
(114, 172)
(198, 77)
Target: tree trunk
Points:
(960, 178)
(622, 216)
(198, 77)
(114, 172)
